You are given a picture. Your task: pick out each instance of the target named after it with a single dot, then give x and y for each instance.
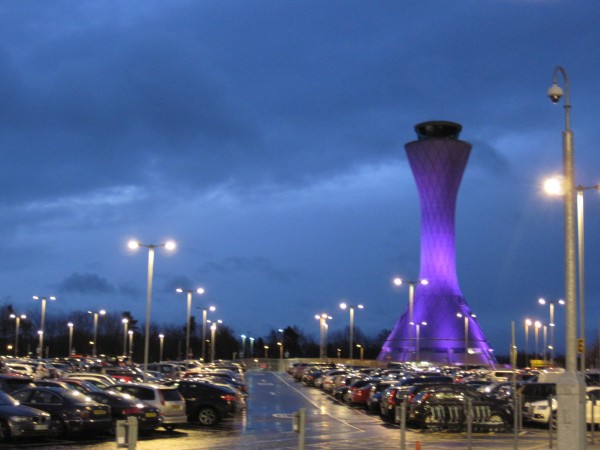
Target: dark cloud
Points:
(85, 283)
(248, 265)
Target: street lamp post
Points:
(130, 333)
(528, 323)
(551, 324)
(162, 341)
(243, 352)
(537, 325)
(570, 387)
(43, 299)
(188, 350)
(362, 351)
(251, 347)
(266, 351)
(213, 331)
(411, 296)
(580, 253)
(351, 309)
(17, 325)
(204, 320)
(101, 312)
(41, 342)
(466, 319)
(70, 325)
(418, 329)
(125, 321)
(169, 245)
(280, 345)
(322, 318)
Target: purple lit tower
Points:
(452, 335)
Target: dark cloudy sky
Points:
(267, 138)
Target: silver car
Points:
(168, 400)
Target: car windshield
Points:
(6, 399)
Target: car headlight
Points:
(19, 419)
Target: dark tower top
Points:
(437, 129)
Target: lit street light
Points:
(243, 352)
(70, 325)
(322, 318)
(162, 339)
(40, 343)
(169, 245)
(418, 328)
(42, 324)
(125, 321)
(213, 331)
(570, 387)
(251, 347)
(204, 321)
(280, 345)
(101, 312)
(466, 319)
(266, 351)
(528, 323)
(17, 324)
(551, 324)
(130, 333)
(411, 295)
(537, 325)
(188, 350)
(351, 309)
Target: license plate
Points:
(99, 412)
(177, 407)
(40, 427)
(151, 414)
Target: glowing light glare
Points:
(424, 282)
(554, 186)
(538, 324)
(343, 305)
(561, 302)
(397, 281)
(133, 245)
(200, 290)
(528, 322)
(360, 306)
(212, 308)
(542, 301)
(102, 312)
(170, 245)
(125, 320)
(179, 290)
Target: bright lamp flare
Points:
(554, 186)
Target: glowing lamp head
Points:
(170, 245)
(200, 291)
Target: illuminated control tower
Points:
(452, 335)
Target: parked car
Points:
(71, 411)
(123, 406)
(19, 421)
(11, 383)
(99, 379)
(377, 390)
(207, 403)
(443, 407)
(167, 399)
(358, 392)
(545, 411)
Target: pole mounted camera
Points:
(555, 93)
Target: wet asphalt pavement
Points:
(267, 424)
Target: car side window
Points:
(46, 398)
(22, 396)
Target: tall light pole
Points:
(362, 351)
(411, 294)
(101, 312)
(537, 325)
(70, 325)
(162, 339)
(169, 245)
(418, 328)
(213, 331)
(204, 320)
(344, 305)
(251, 347)
(545, 353)
(551, 324)
(322, 318)
(41, 343)
(188, 350)
(125, 321)
(130, 333)
(466, 318)
(528, 323)
(570, 387)
(243, 352)
(17, 318)
(580, 253)
(280, 345)
(43, 299)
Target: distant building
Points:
(452, 335)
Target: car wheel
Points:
(58, 429)
(169, 428)
(497, 421)
(208, 416)
(4, 432)
(429, 422)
